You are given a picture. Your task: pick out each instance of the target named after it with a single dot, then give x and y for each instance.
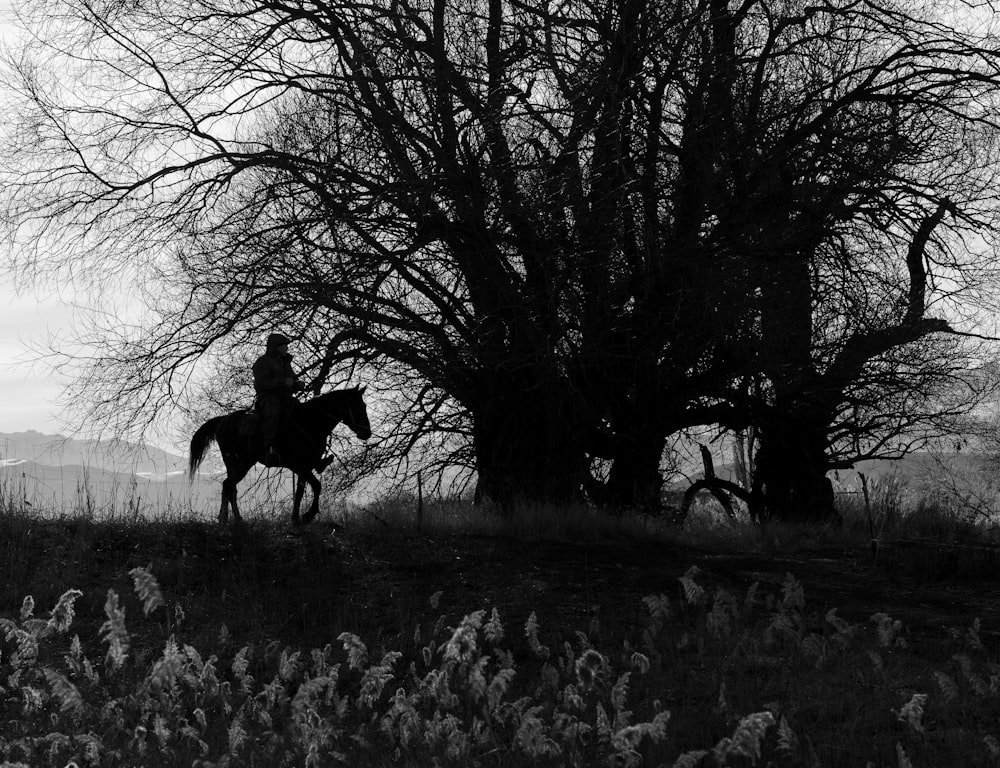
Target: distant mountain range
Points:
(52, 473)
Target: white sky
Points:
(28, 319)
(28, 390)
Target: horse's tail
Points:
(200, 442)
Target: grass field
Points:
(549, 637)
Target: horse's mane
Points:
(328, 397)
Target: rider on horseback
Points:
(275, 383)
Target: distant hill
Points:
(53, 473)
(114, 455)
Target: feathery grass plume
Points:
(237, 734)
(532, 737)
(628, 738)
(288, 665)
(602, 723)
(33, 700)
(240, 665)
(462, 644)
(313, 692)
(63, 691)
(493, 630)
(92, 747)
(619, 698)
(783, 626)
(161, 730)
(814, 647)
(26, 653)
(722, 705)
(691, 759)
(972, 635)
(190, 734)
(167, 668)
(194, 660)
(877, 664)
(947, 684)
(793, 596)
(550, 679)
(723, 614)
(58, 744)
(498, 687)
(75, 655)
(113, 632)
(475, 678)
(844, 631)
(992, 745)
(902, 759)
(746, 739)
(640, 662)
(375, 678)
(27, 607)
(787, 740)
(147, 588)
(889, 631)
(62, 614)
(693, 593)
(590, 668)
(531, 632)
(912, 712)
(357, 653)
(750, 601)
(975, 680)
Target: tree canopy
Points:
(553, 235)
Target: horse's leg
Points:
(315, 486)
(300, 489)
(224, 508)
(235, 474)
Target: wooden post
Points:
(420, 502)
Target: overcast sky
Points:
(27, 389)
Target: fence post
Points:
(420, 502)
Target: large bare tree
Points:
(557, 233)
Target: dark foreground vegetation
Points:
(546, 638)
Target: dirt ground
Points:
(568, 580)
(569, 584)
(302, 586)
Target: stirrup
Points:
(323, 463)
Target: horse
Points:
(301, 441)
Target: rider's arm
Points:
(269, 378)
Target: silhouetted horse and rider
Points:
(290, 434)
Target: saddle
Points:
(249, 423)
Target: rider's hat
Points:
(277, 340)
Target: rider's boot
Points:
(271, 456)
(323, 463)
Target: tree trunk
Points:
(790, 482)
(634, 480)
(528, 450)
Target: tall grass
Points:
(176, 642)
(712, 678)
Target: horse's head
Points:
(355, 414)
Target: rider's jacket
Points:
(273, 375)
